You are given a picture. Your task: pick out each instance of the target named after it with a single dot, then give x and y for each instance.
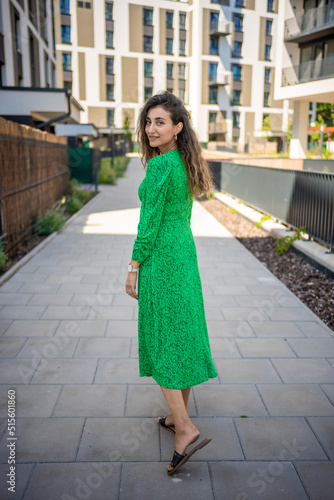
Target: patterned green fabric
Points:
(173, 339)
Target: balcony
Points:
(217, 127)
(220, 80)
(310, 25)
(308, 71)
(220, 28)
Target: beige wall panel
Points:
(85, 26)
(262, 38)
(57, 21)
(246, 93)
(206, 25)
(60, 81)
(249, 126)
(250, 4)
(98, 116)
(162, 31)
(130, 112)
(276, 122)
(136, 28)
(205, 82)
(82, 75)
(272, 102)
(190, 35)
(129, 79)
(102, 73)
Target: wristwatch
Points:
(132, 269)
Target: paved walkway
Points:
(86, 426)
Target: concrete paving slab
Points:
(48, 348)
(314, 330)
(224, 348)
(4, 325)
(22, 312)
(318, 479)
(31, 328)
(120, 371)
(14, 298)
(119, 439)
(329, 391)
(253, 371)
(323, 428)
(38, 287)
(313, 348)
(278, 439)
(120, 312)
(54, 481)
(81, 328)
(284, 329)
(66, 312)
(10, 286)
(9, 347)
(32, 400)
(17, 371)
(244, 313)
(86, 299)
(304, 370)
(91, 401)
(229, 290)
(111, 347)
(122, 328)
(248, 480)
(228, 400)
(290, 314)
(264, 348)
(65, 371)
(295, 400)
(50, 299)
(22, 475)
(229, 329)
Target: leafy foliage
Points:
(283, 244)
(49, 222)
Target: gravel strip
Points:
(308, 283)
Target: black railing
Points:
(296, 198)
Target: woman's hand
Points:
(130, 284)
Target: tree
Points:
(325, 113)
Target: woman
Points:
(173, 339)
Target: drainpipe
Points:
(62, 117)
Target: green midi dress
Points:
(173, 338)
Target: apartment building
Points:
(305, 62)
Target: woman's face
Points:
(159, 127)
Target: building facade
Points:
(305, 62)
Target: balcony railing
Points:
(220, 79)
(308, 71)
(217, 127)
(220, 28)
(310, 21)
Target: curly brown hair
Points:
(200, 179)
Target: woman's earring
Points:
(175, 137)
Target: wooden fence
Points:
(33, 177)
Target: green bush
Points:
(106, 174)
(82, 195)
(3, 256)
(283, 244)
(73, 205)
(49, 222)
(120, 165)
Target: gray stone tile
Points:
(9, 347)
(285, 329)
(312, 329)
(219, 301)
(120, 312)
(53, 347)
(229, 290)
(53, 269)
(17, 371)
(134, 348)
(192, 481)
(77, 288)
(14, 298)
(318, 478)
(148, 400)
(92, 269)
(10, 286)
(313, 348)
(4, 325)
(50, 299)
(39, 288)
(257, 301)
(21, 312)
(250, 480)
(264, 348)
(31, 328)
(89, 299)
(224, 348)
(228, 401)
(329, 391)
(65, 371)
(121, 300)
(240, 280)
(120, 371)
(278, 439)
(290, 314)
(32, 400)
(229, 329)
(213, 313)
(292, 400)
(287, 300)
(253, 371)
(81, 328)
(63, 278)
(66, 312)
(91, 401)
(261, 289)
(111, 347)
(120, 439)
(304, 370)
(96, 480)
(323, 428)
(46, 439)
(244, 313)
(21, 277)
(22, 474)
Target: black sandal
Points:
(179, 460)
(162, 421)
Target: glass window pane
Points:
(64, 6)
(237, 49)
(109, 11)
(169, 70)
(236, 72)
(183, 21)
(182, 47)
(237, 23)
(110, 65)
(110, 91)
(147, 17)
(148, 44)
(66, 34)
(109, 39)
(148, 68)
(147, 92)
(214, 16)
(267, 52)
(182, 71)
(213, 94)
(266, 75)
(67, 62)
(269, 24)
(169, 45)
(169, 19)
(212, 72)
(214, 45)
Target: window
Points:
(266, 99)
(239, 3)
(148, 44)
(182, 21)
(236, 119)
(170, 89)
(148, 92)
(109, 39)
(182, 71)
(110, 117)
(236, 69)
(169, 19)
(109, 65)
(212, 117)
(80, 4)
(270, 7)
(182, 94)
(88, 5)
(182, 47)
(169, 70)
(148, 17)
(169, 45)
(148, 69)
(64, 6)
(110, 92)
(214, 45)
(237, 22)
(67, 62)
(266, 75)
(66, 34)
(236, 97)
(213, 72)
(267, 49)
(109, 11)
(68, 86)
(269, 25)
(237, 49)
(214, 16)
(213, 95)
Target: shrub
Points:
(106, 174)
(3, 256)
(120, 165)
(73, 205)
(82, 195)
(49, 222)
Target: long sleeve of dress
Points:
(156, 184)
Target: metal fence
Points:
(296, 198)
(33, 177)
